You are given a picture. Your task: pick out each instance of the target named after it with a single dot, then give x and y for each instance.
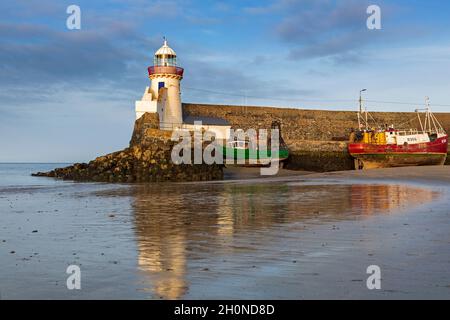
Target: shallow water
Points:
(249, 239)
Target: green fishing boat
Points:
(246, 153)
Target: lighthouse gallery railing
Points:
(165, 70)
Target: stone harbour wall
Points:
(316, 138)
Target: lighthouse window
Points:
(160, 85)
(171, 60)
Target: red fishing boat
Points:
(390, 147)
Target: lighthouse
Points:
(164, 94)
(164, 98)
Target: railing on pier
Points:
(168, 126)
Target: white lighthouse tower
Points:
(164, 95)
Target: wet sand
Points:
(427, 175)
(298, 235)
(244, 173)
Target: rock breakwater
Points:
(148, 159)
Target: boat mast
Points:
(437, 126)
(420, 120)
(367, 119)
(360, 109)
(430, 120)
(427, 108)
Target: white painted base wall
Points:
(145, 106)
(148, 103)
(167, 104)
(221, 132)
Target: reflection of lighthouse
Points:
(163, 96)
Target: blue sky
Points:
(68, 95)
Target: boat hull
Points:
(375, 161)
(249, 158)
(370, 156)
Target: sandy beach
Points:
(298, 235)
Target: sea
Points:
(289, 237)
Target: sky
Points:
(68, 95)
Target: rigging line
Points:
(410, 120)
(272, 98)
(376, 122)
(405, 103)
(312, 100)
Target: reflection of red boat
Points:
(380, 148)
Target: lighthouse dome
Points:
(165, 56)
(165, 50)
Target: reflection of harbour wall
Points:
(316, 138)
(177, 233)
(384, 198)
